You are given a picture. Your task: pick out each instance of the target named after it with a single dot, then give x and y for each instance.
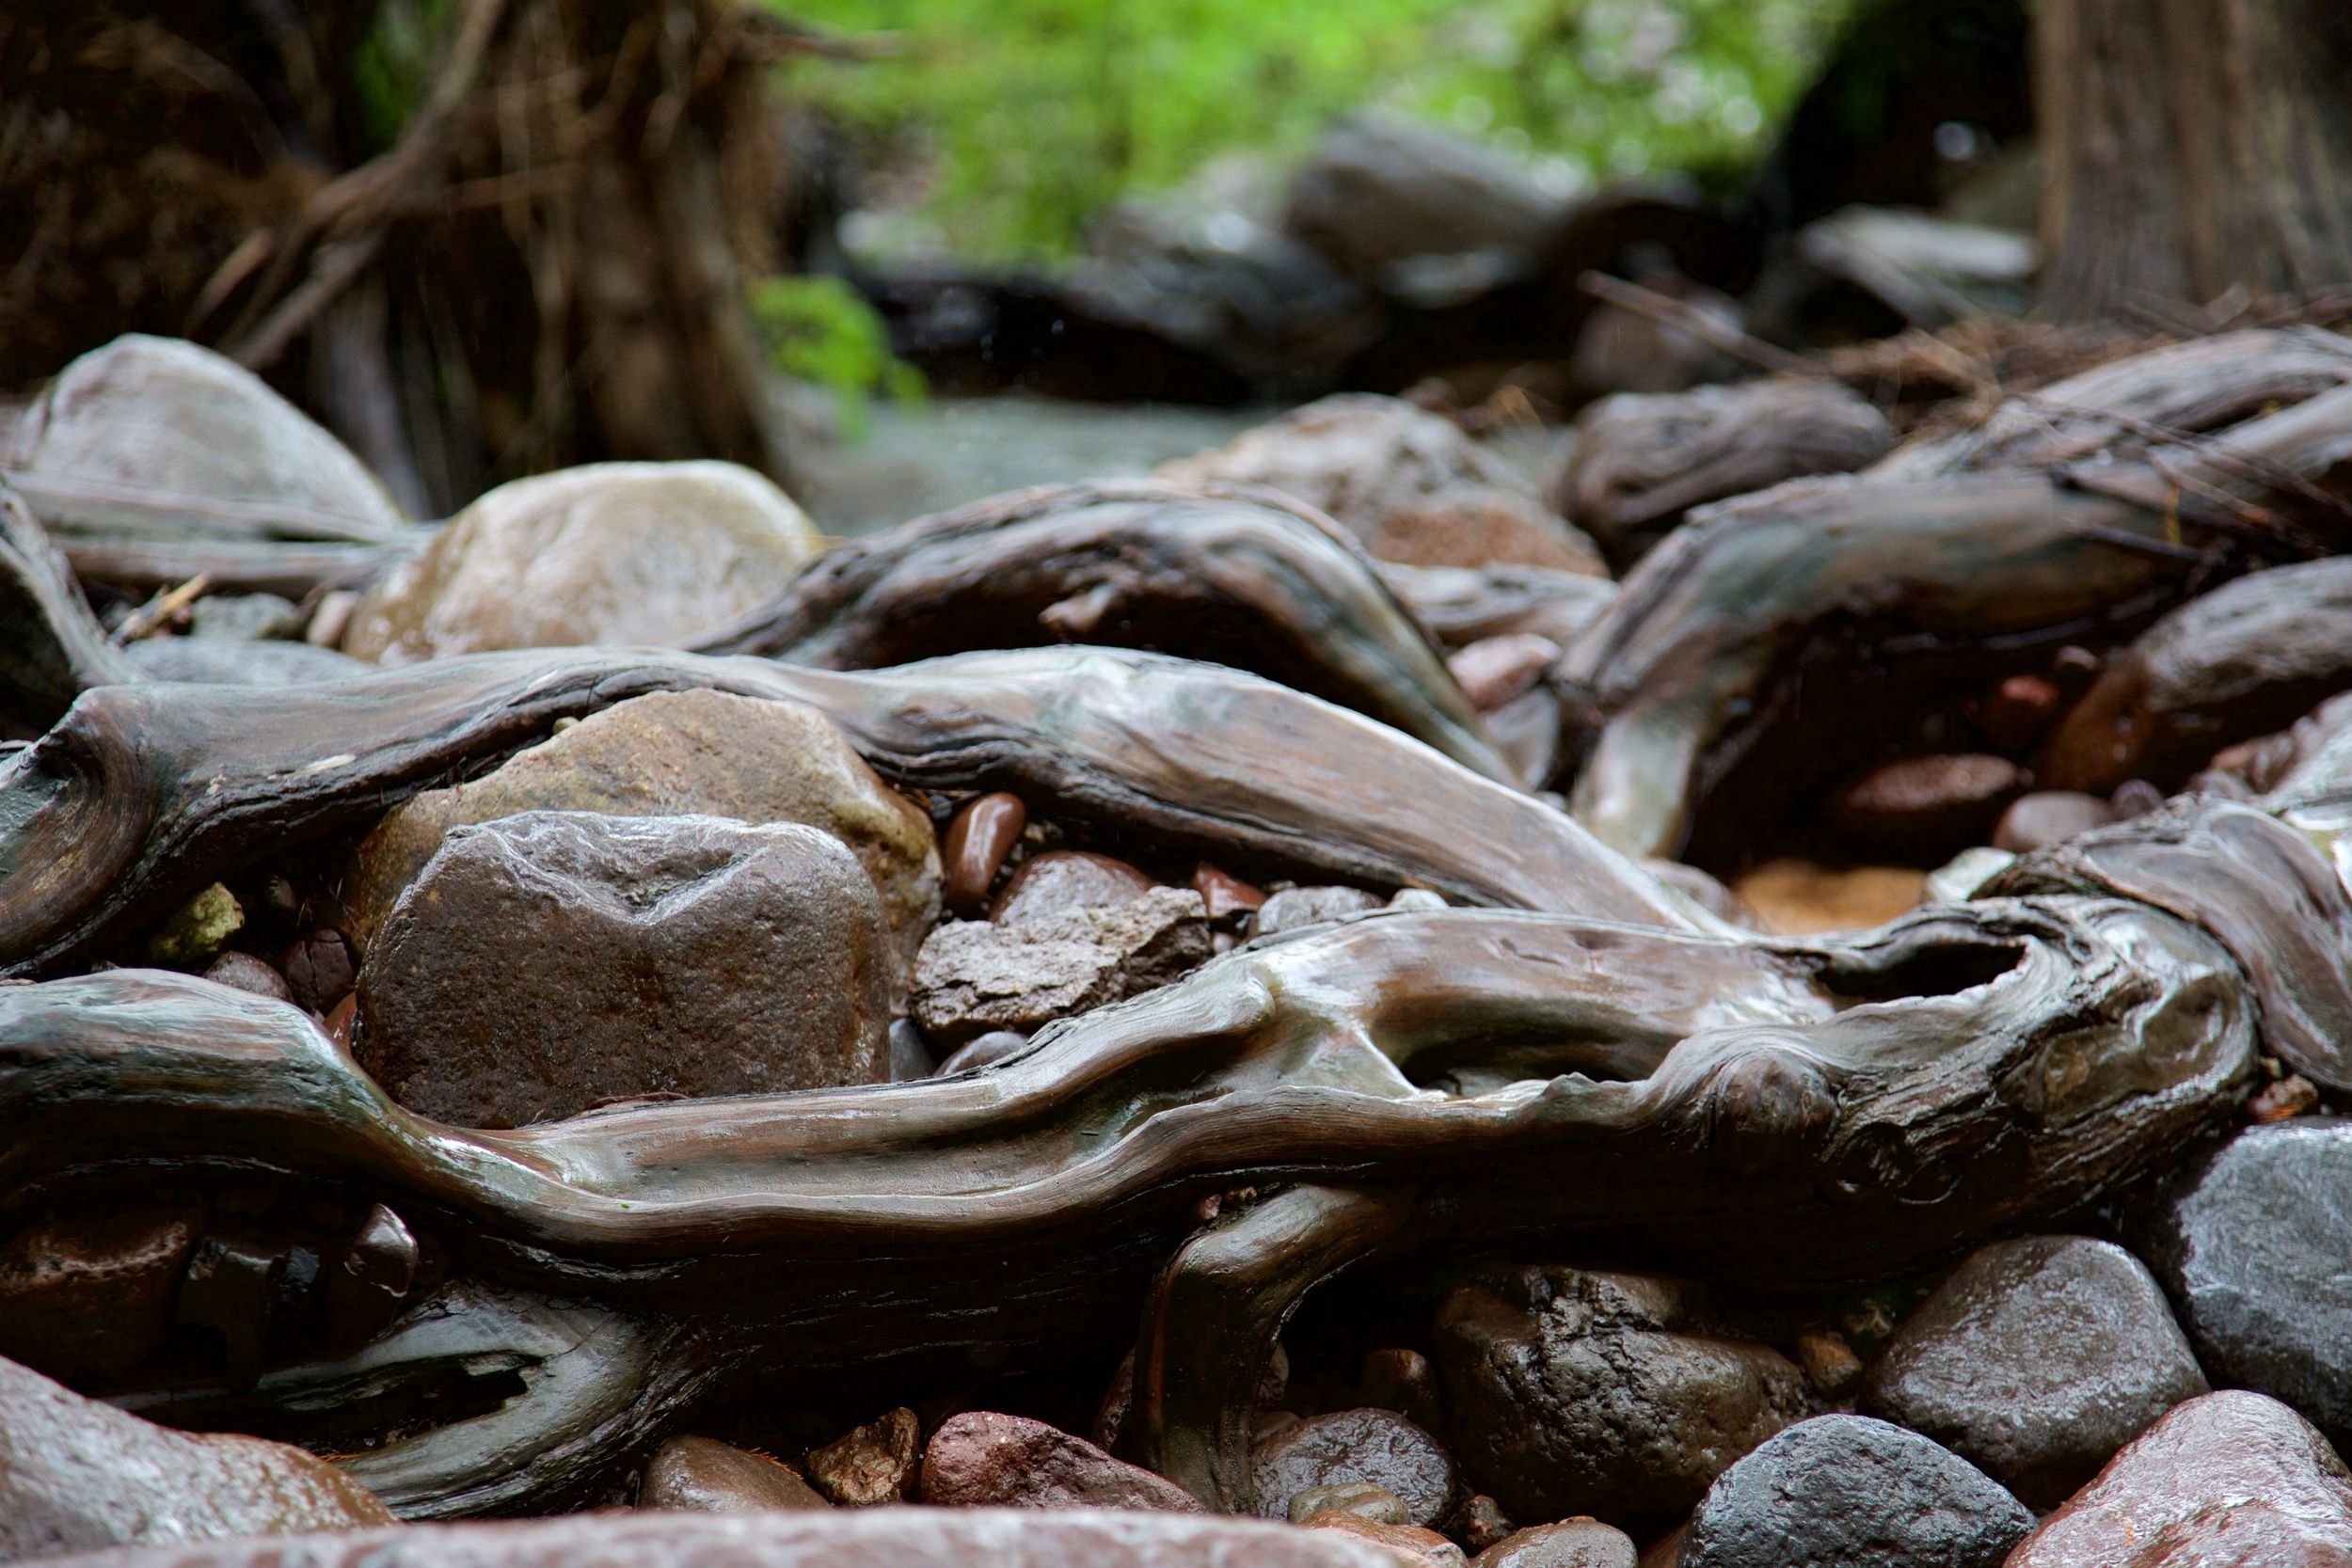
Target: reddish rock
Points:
(982, 1457)
(245, 972)
(2018, 710)
(1494, 669)
(89, 1294)
(2049, 816)
(1580, 1543)
(1484, 1524)
(365, 1288)
(2234, 1477)
(1375, 1446)
(980, 838)
(869, 1464)
(1927, 807)
(697, 1475)
(1411, 1542)
(319, 970)
(1225, 896)
(2290, 1097)
(1061, 881)
(1399, 1380)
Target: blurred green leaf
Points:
(820, 330)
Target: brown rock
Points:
(982, 1457)
(1297, 907)
(2290, 1097)
(675, 754)
(698, 1475)
(974, 976)
(87, 1294)
(2019, 709)
(2233, 1477)
(319, 970)
(1494, 669)
(1399, 1380)
(1484, 1524)
(341, 1023)
(246, 973)
(2049, 816)
(1614, 1395)
(1793, 898)
(76, 1476)
(828, 1538)
(641, 553)
(547, 962)
(365, 1288)
(1406, 483)
(1375, 1446)
(1411, 1543)
(1570, 1544)
(869, 1464)
(1226, 898)
(1830, 1364)
(980, 838)
(1061, 881)
(1927, 807)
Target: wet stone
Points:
(77, 1475)
(1411, 1544)
(89, 1294)
(1363, 1498)
(1570, 1544)
(2019, 709)
(1226, 898)
(2251, 1243)
(365, 1288)
(2049, 816)
(980, 838)
(1830, 1364)
(1061, 881)
(1614, 1395)
(985, 1050)
(974, 976)
(1402, 1380)
(245, 972)
(1483, 1524)
(1375, 1446)
(869, 1464)
(1858, 1493)
(1494, 669)
(2232, 1478)
(2036, 1359)
(545, 963)
(985, 1459)
(319, 970)
(1927, 807)
(675, 754)
(699, 1475)
(1297, 907)
(194, 933)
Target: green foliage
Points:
(393, 65)
(1035, 114)
(820, 330)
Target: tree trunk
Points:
(2193, 146)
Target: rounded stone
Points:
(1858, 1493)
(698, 1475)
(1061, 881)
(982, 1457)
(1570, 1544)
(2036, 1360)
(1375, 1446)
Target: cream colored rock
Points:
(644, 553)
(669, 754)
(152, 437)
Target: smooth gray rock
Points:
(1852, 1491)
(2036, 1359)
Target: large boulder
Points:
(2231, 1478)
(2036, 1359)
(1406, 483)
(2251, 1243)
(157, 439)
(547, 962)
(1609, 1394)
(76, 1476)
(675, 754)
(1855, 1492)
(639, 553)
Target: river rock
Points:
(2251, 1243)
(980, 838)
(974, 976)
(1375, 1446)
(1404, 481)
(1414, 1545)
(983, 1458)
(1295, 907)
(1854, 1493)
(1927, 807)
(76, 1476)
(1363, 1498)
(2049, 816)
(1570, 1544)
(132, 440)
(2036, 1359)
(90, 1293)
(870, 1465)
(832, 1537)
(1378, 192)
(546, 962)
(243, 972)
(2232, 1478)
(698, 1475)
(676, 754)
(204, 661)
(1606, 1394)
(1061, 881)
(641, 553)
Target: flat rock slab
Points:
(2036, 1359)
(2231, 1478)
(647, 554)
(2251, 1244)
(982, 1457)
(675, 754)
(76, 1476)
(1857, 1493)
(974, 976)
(547, 962)
(1605, 1394)
(850, 1538)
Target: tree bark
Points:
(2192, 147)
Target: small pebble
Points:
(193, 937)
(319, 970)
(2292, 1096)
(1830, 1364)
(2019, 709)
(1412, 1542)
(246, 973)
(2049, 816)
(1494, 669)
(980, 838)
(1227, 896)
(869, 1464)
(1578, 1543)
(1365, 1499)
